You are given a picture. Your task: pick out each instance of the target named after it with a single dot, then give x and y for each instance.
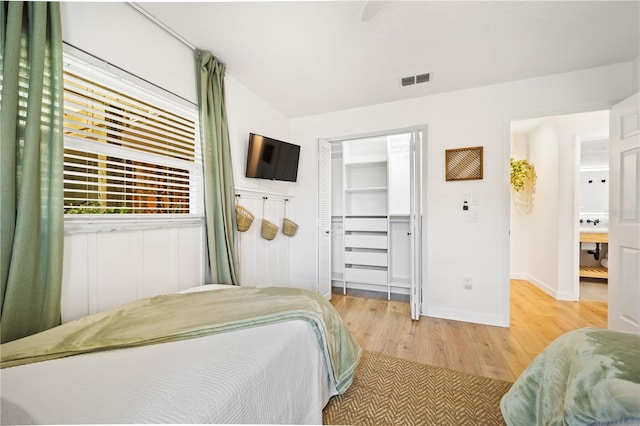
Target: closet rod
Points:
(162, 25)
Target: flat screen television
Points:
(269, 158)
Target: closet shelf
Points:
(366, 189)
(366, 215)
(400, 283)
(366, 162)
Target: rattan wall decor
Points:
(463, 163)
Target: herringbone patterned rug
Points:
(392, 391)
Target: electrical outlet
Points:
(467, 282)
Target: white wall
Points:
(455, 247)
(117, 33)
(250, 113)
(261, 262)
(102, 269)
(144, 49)
(543, 221)
(635, 75)
(519, 217)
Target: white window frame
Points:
(110, 76)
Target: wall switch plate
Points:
(475, 214)
(474, 197)
(467, 282)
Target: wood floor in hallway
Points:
(537, 319)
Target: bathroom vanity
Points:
(594, 271)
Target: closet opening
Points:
(371, 216)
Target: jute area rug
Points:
(392, 391)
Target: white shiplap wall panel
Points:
(191, 254)
(106, 269)
(159, 277)
(75, 277)
(264, 262)
(117, 261)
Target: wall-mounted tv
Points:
(269, 158)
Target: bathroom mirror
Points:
(594, 179)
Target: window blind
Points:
(128, 150)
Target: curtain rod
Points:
(162, 25)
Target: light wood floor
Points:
(537, 319)
(594, 289)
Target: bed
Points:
(587, 376)
(280, 363)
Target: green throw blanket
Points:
(585, 376)
(174, 317)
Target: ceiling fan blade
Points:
(370, 10)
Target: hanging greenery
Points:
(521, 170)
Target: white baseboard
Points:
(558, 295)
(542, 286)
(489, 319)
(518, 276)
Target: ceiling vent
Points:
(422, 78)
(416, 79)
(408, 81)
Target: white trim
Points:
(170, 109)
(456, 315)
(548, 112)
(90, 223)
(259, 194)
(519, 276)
(551, 292)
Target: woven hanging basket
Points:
(244, 218)
(269, 230)
(289, 227)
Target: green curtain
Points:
(31, 169)
(219, 189)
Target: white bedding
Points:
(267, 374)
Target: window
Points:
(127, 150)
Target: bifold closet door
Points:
(415, 223)
(324, 219)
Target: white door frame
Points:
(556, 111)
(420, 128)
(576, 208)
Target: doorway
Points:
(370, 214)
(545, 234)
(593, 199)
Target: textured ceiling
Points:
(313, 57)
